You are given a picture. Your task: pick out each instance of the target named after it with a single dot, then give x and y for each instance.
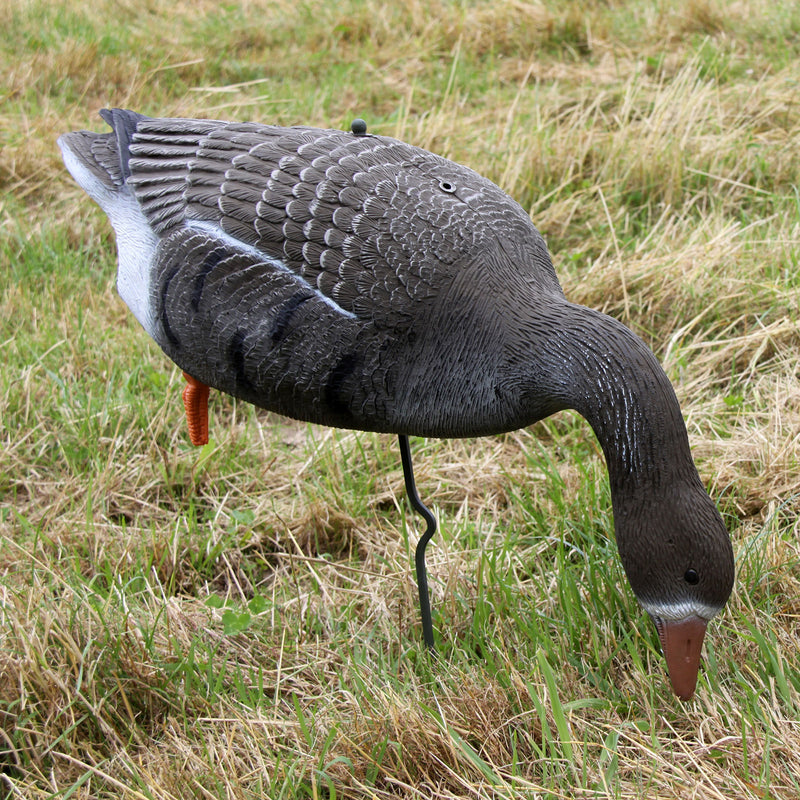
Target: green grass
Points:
(241, 620)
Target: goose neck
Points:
(606, 373)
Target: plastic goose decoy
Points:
(356, 281)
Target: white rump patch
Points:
(136, 242)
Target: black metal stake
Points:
(419, 556)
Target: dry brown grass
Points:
(656, 147)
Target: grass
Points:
(240, 621)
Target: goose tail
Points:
(99, 161)
(99, 164)
(124, 123)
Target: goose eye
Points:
(691, 577)
(446, 186)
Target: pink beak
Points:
(682, 641)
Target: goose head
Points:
(678, 558)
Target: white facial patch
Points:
(675, 611)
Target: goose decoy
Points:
(356, 281)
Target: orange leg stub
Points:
(195, 401)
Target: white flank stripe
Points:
(232, 243)
(136, 242)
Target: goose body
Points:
(357, 281)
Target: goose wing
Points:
(374, 225)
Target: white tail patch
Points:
(136, 242)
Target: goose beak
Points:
(682, 641)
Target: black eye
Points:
(691, 577)
(446, 186)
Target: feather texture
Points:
(358, 281)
